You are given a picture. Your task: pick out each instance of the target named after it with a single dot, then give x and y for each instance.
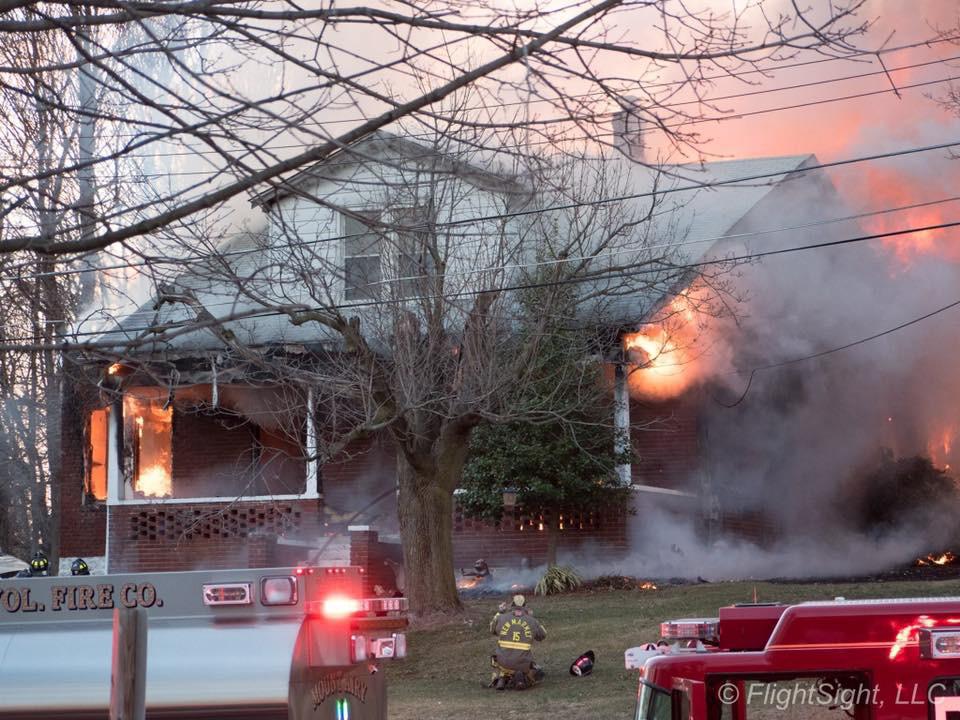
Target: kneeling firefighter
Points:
(516, 629)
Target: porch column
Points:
(621, 421)
(114, 473)
(311, 488)
(114, 447)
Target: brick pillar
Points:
(363, 542)
(367, 553)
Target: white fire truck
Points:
(861, 659)
(288, 643)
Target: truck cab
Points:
(279, 644)
(861, 659)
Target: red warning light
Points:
(337, 607)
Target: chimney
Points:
(628, 129)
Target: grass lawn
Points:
(442, 676)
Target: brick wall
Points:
(518, 536)
(194, 536)
(211, 459)
(83, 525)
(378, 559)
(666, 440)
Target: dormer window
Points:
(362, 250)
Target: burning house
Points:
(184, 453)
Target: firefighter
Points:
(516, 629)
(39, 565)
(79, 567)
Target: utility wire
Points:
(628, 270)
(831, 351)
(222, 170)
(590, 117)
(655, 193)
(518, 266)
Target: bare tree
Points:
(428, 301)
(53, 110)
(574, 62)
(405, 276)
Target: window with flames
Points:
(148, 419)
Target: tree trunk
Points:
(553, 536)
(425, 510)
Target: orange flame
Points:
(946, 558)
(648, 585)
(888, 188)
(940, 446)
(155, 481)
(662, 358)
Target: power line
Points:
(516, 266)
(628, 270)
(218, 171)
(592, 117)
(831, 351)
(570, 206)
(223, 170)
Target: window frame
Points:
(89, 498)
(369, 290)
(124, 484)
(646, 692)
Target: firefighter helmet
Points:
(79, 567)
(481, 567)
(583, 665)
(39, 565)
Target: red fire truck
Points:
(287, 643)
(861, 659)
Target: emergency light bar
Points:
(339, 606)
(228, 594)
(400, 604)
(935, 644)
(704, 629)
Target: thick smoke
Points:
(798, 442)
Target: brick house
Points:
(174, 459)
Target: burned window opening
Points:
(181, 445)
(97, 456)
(148, 442)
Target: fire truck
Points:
(282, 643)
(861, 659)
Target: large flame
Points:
(154, 481)
(153, 424)
(668, 355)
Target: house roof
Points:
(703, 204)
(378, 146)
